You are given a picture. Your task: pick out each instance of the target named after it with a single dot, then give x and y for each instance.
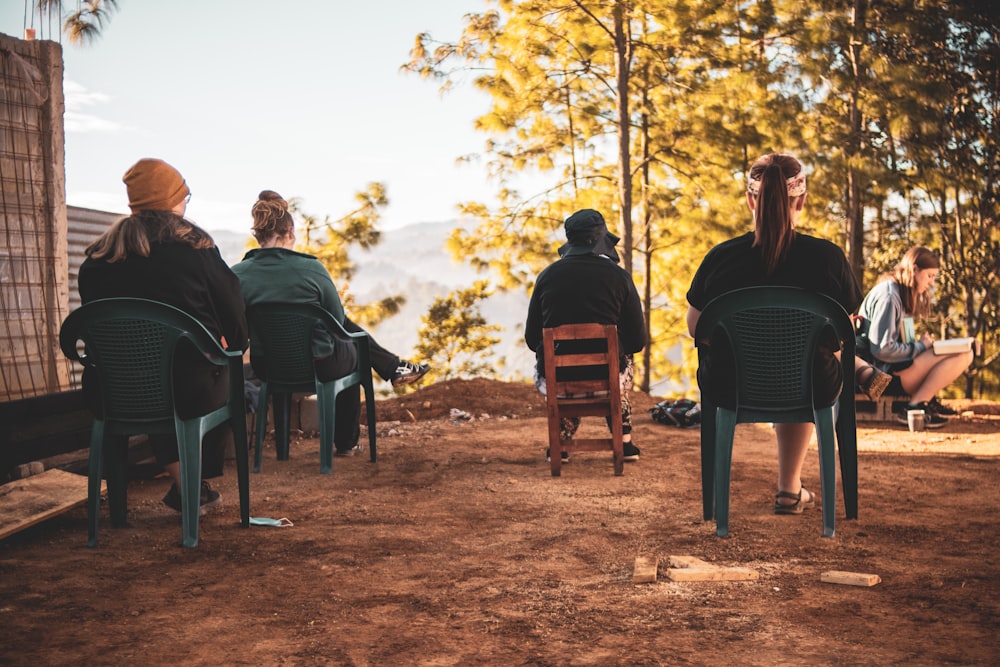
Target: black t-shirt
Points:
(811, 263)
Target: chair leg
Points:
(240, 444)
(260, 422)
(95, 468)
(555, 443)
(370, 413)
(189, 436)
(827, 467)
(282, 403)
(725, 432)
(708, 461)
(326, 405)
(116, 471)
(847, 449)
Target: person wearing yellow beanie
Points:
(153, 185)
(155, 253)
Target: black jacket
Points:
(585, 288)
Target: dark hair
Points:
(134, 234)
(773, 232)
(270, 216)
(905, 274)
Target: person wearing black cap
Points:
(587, 285)
(157, 254)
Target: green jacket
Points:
(281, 275)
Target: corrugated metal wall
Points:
(85, 225)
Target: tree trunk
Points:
(623, 56)
(855, 211)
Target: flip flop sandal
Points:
(876, 383)
(797, 506)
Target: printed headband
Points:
(796, 185)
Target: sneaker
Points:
(630, 451)
(940, 409)
(931, 418)
(408, 372)
(564, 456)
(210, 498)
(356, 449)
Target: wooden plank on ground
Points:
(644, 571)
(850, 578)
(28, 501)
(689, 568)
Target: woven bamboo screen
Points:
(33, 247)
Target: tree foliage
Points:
(455, 337)
(652, 110)
(331, 239)
(85, 23)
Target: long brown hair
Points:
(905, 275)
(133, 235)
(270, 216)
(772, 216)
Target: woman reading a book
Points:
(887, 337)
(774, 253)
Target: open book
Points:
(952, 345)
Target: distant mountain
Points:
(412, 261)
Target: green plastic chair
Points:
(281, 334)
(773, 333)
(130, 344)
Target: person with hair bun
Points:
(775, 253)
(275, 272)
(887, 338)
(157, 254)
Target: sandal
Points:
(797, 506)
(876, 383)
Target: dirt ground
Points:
(458, 548)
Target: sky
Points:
(303, 97)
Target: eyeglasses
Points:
(187, 199)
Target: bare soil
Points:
(458, 548)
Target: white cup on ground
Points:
(915, 420)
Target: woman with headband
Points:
(774, 253)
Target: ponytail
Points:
(774, 181)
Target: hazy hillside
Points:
(412, 261)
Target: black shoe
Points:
(931, 418)
(408, 372)
(356, 449)
(210, 498)
(630, 451)
(564, 456)
(938, 408)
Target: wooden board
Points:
(28, 501)
(689, 568)
(850, 578)
(644, 571)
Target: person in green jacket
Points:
(275, 272)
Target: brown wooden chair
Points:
(569, 354)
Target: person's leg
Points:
(384, 362)
(793, 443)
(625, 381)
(930, 373)
(347, 429)
(871, 380)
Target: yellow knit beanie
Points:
(153, 185)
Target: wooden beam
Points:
(25, 502)
(689, 568)
(644, 571)
(850, 578)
